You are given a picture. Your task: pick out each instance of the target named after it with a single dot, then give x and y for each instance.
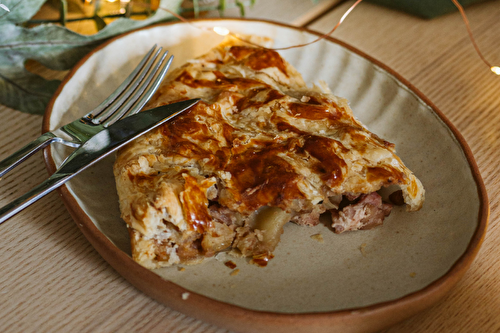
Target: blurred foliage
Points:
(52, 44)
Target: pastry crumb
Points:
(318, 237)
(362, 249)
(413, 274)
(181, 269)
(235, 272)
(185, 296)
(230, 264)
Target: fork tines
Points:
(135, 91)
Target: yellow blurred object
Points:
(221, 31)
(155, 4)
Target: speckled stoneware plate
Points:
(354, 282)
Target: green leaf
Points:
(99, 22)
(62, 11)
(241, 6)
(196, 6)
(222, 7)
(26, 92)
(54, 47)
(20, 10)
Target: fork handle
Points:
(33, 195)
(22, 154)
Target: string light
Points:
(324, 35)
(4, 7)
(224, 32)
(221, 31)
(494, 69)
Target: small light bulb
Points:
(221, 31)
(496, 70)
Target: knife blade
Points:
(95, 149)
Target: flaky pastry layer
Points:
(259, 150)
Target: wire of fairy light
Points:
(494, 69)
(224, 31)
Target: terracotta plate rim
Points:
(205, 308)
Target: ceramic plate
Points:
(357, 281)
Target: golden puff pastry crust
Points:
(259, 150)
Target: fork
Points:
(128, 99)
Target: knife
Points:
(95, 149)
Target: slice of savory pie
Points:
(261, 149)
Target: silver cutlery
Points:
(128, 99)
(96, 148)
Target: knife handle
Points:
(22, 154)
(33, 195)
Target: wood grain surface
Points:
(438, 59)
(52, 279)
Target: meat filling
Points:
(368, 212)
(259, 150)
(258, 235)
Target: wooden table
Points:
(52, 279)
